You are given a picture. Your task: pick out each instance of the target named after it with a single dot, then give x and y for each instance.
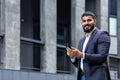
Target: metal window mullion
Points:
(32, 40)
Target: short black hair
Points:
(88, 13)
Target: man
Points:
(91, 56)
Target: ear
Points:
(95, 21)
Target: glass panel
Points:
(30, 56)
(114, 68)
(63, 21)
(30, 28)
(63, 61)
(63, 34)
(30, 19)
(114, 46)
(113, 26)
(113, 7)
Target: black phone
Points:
(68, 45)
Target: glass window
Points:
(30, 19)
(113, 7)
(113, 26)
(114, 68)
(30, 35)
(63, 60)
(30, 56)
(63, 34)
(113, 17)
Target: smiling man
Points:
(91, 55)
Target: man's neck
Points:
(91, 31)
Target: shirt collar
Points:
(89, 34)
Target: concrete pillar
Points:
(102, 14)
(11, 28)
(78, 8)
(48, 35)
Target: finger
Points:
(73, 47)
(68, 54)
(68, 48)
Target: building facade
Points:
(34, 35)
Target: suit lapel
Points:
(81, 44)
(90, 40)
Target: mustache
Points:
(87, 25)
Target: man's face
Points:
(88, 23)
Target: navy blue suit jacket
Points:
(96, 52)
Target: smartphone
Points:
(68, 45)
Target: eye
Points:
(83, 20)
(89, 20)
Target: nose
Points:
(86, 22)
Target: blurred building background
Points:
(34, 33)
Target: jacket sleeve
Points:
(103, 45)
(75, 63)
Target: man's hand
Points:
(74, 52)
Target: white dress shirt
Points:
(84, 47)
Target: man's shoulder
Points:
(102, 32)
(103, 35)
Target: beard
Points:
(88, 30)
